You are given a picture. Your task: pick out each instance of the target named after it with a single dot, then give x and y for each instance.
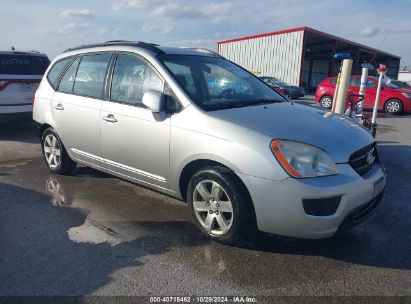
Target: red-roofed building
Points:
(301, 56)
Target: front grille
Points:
(359, 159)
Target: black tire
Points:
(393, 106)
(243, 216)
(65, 164)
(326, 102)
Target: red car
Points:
(392, 99)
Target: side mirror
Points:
(154, 100)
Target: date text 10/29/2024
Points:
(204, 299)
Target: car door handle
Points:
(59, 106)
(110, 118)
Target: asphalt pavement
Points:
(93, 234)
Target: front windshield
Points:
(400, 84)
(215, 83)
(389, 84)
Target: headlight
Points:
(302, 160)
(408, 95)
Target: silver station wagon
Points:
(195, 126)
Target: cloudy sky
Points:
(52, 26)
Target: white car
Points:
(20, 75)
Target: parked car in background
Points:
(401, 84)
(392, 99)
(225, 85)
(242, 159)
(292, 92)
(20, 75)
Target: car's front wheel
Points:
(220, 205)
(326, 102)
(393, 106)
(55, 154)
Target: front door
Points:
(135, 142)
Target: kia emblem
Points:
(370, 158)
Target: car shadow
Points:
(82, 171)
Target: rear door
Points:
(135, 142)
(20, 75)
(77, 104)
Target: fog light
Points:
(321, 206)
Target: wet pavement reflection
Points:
(102, 234)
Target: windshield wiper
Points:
(264, 101)
(239, 104)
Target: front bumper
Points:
(279, 208)
(296, 93)
(407, 105)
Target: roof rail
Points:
(207, 51)
(148, 46)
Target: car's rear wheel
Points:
(55, 154)
(326, 102)
(220, 205)
(393, 106)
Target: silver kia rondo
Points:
(195, 126)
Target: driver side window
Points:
(132, 77)
(370, 84)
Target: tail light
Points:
(3, 84)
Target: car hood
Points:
(333, 133)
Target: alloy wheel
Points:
(326, 102)
(393, 106)
(212, 207)
(52, 151)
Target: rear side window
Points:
(89, 80)
(333, 80)
(67, 82)
(56, 70)
(19, 64)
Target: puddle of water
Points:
(14, 164)
(94, 233)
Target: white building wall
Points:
(277, 55)
(405, 76)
